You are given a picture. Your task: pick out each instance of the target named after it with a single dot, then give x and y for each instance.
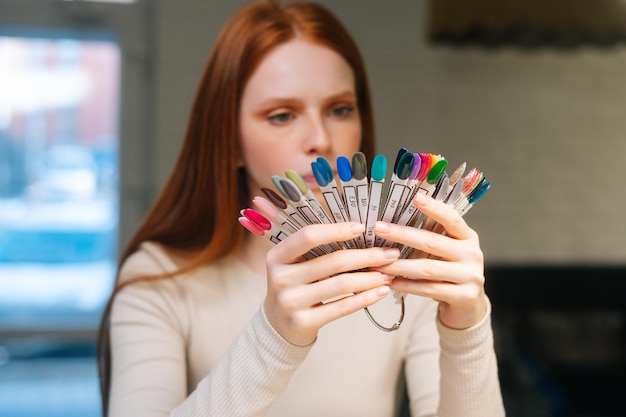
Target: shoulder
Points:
(146, 292)
(151, 259)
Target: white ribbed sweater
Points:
(200, 345)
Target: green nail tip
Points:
(436, 171)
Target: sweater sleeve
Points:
(469, 383)
(250, 375)
(451, 373)
(149, 365)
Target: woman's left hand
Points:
(453, 274)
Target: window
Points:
(59, 100)
(60, 139)
(58, 183)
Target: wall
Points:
(546, 127)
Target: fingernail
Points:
(392, 253)
(357, 228)
(388, 277)
(384, 290)
(420, 199)
(382, 227)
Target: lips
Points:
(309, 179)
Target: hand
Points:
(297, 289)
(453, 274)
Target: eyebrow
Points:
(347, 94)
(289, 100)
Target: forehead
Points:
(301, 66)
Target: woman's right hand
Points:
(297, 288)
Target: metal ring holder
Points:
(395, 326)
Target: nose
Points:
(318, 138)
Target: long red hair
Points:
(186, 216)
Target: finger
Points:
(436, 290)
(337, 286)
(333, 310)
(347, 261)
(431, 270)
(432, 243)
(445, 215)
(334, 263)
(447, 292)
(309, 237)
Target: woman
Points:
(209, 320)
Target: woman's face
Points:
(299, 104)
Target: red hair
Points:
(186, 216)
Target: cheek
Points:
(255, 159)
(262, 161)
(257, 175)
(267, 150)
(253, 147)
(350, 141)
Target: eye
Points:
(342, 111)
(281, 118)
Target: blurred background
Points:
(94, 97)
